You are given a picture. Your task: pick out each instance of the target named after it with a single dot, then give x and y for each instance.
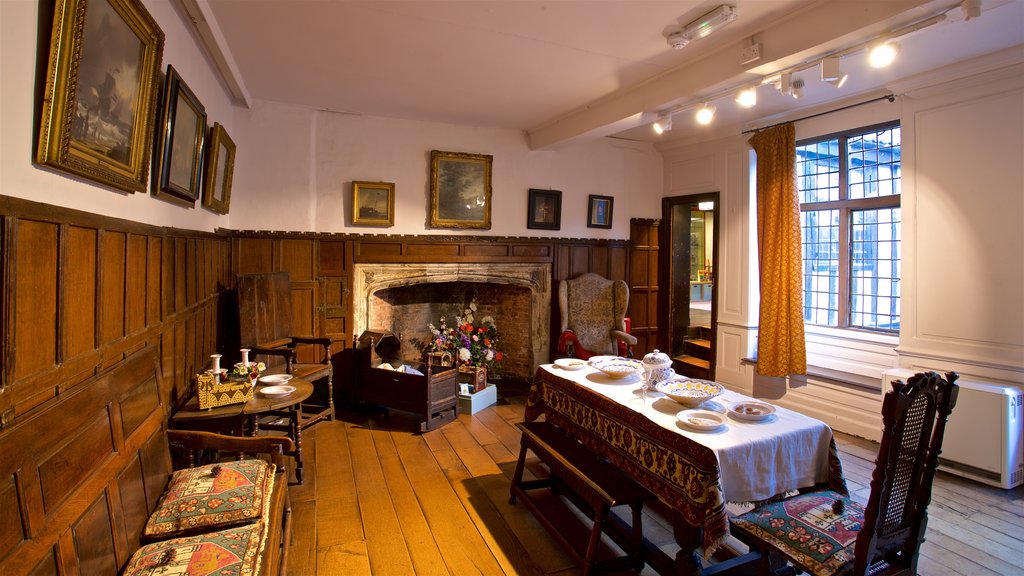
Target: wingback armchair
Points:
(593, 313)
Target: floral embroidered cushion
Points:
(817, 530)
(212, 497)
(231, 552)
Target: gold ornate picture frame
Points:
(373, 203)
(182, 134)
(460, 190)
(102, 80)
(220, 168)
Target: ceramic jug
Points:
(657, 367)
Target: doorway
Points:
(690, 266)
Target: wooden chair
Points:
(265, 327)
(593, 315)
(827, 533)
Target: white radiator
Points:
(983, 438)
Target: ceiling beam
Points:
(822, 27)
(211, 39)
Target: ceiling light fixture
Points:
(747, 97)
(882, 55)
(702, 26)
(798, 89)
(971, 8)
(663, 123)
(785, 83)
(705, 114)
(831, 73)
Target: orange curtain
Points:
(781, 349)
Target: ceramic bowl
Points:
(619, 367)
(689, 392)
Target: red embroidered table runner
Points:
(685, 468)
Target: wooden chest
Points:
(431, 391)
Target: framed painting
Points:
(102, 80)
(182, 133)
(599, 211)
(220, 166)
(373, 203)
(545, 210)
(460, 190)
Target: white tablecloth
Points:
(758, 460)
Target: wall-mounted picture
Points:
(98, 109)
(373, 203)
(460, 190)
(220, 167)
(545, 209)
(182, 132)
(599, 211)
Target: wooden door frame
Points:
(665, 270)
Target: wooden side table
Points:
(245, 418)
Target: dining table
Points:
(695, 472)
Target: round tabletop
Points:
(260, 402)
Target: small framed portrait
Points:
(460, 190)
(599, 211)
(464, 389)
(182, 135)
(220, 168)
(373, 203)
(545, 209)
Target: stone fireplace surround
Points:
(368, 279)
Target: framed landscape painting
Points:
(102, 80)
(460, 190)
(182, 136)
(220, 168)
(373, 203)
(599, 211)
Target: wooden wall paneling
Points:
(579, 260)
(190, 272)
(47, 566)
(134, 509)
(254, 255)
(78, 292)
(618, 262)
(643, 280)
(11, 532)
(94, 540)
(298, 258)
(600, 262)
(332, 258)
(112, 286)
(179, 276)
(35, 294)
(138, 252)
(166, 278)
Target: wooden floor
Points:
(379, 499)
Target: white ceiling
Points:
(561, 70)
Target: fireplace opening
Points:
(410, 310)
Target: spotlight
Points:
(663, 123)
(798, 89)
(785, 83)
(705, 114)
(971, 8)
(883, 54)
(831, 73)
(747, 97)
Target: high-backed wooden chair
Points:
(827, 533)
(265, 327)
(593, 312)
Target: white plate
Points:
(570, 363)
(701, 419)
(277, 391)
(751, 410)
(275, 378)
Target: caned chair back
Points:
(914, 421)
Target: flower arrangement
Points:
(473, 345)
(243, 371)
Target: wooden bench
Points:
(597, 483)
(80, 476)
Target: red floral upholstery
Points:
(212, 497)
(812, 529)
(231, 552)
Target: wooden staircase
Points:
(695, 360)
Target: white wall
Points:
(294, 166)
(963, 269)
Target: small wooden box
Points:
(211, 394)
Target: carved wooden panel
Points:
(78, 296)
(112, 285)
(35, 293)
